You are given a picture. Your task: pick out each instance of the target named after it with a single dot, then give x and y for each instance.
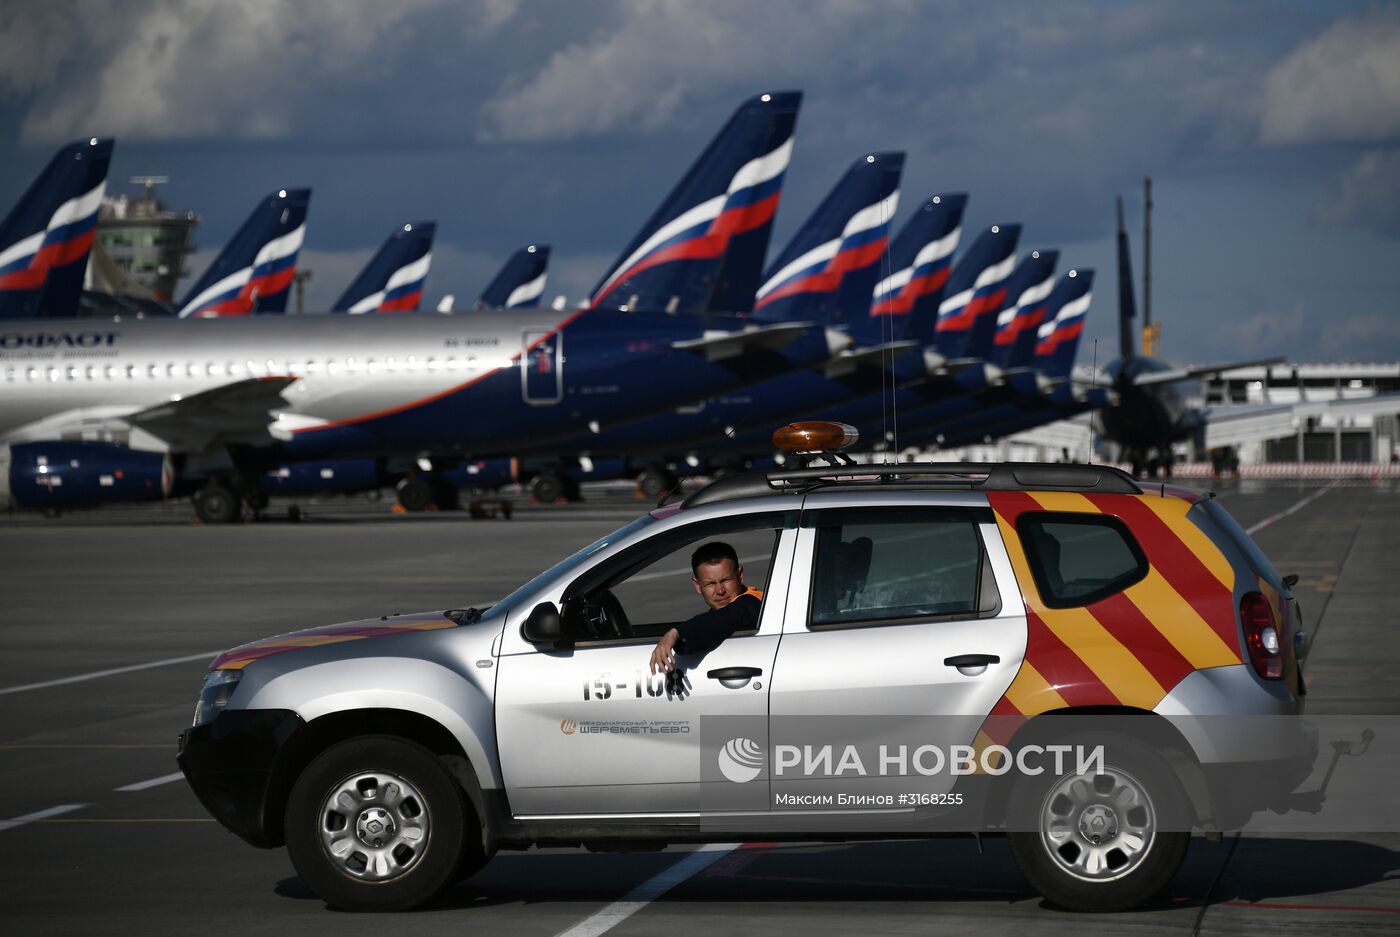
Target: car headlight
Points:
(218, 687)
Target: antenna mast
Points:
(1151, 332)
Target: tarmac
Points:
(109, 619)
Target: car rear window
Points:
(1078, 559)
(893, 566)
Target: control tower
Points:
(145, 242)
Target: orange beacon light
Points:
(815, 436)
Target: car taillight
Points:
(1261, 636)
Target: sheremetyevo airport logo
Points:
(741, 760)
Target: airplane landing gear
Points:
(417, 493)
(655, 480)
(548, 487)
(214, 503)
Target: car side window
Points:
(897, 565)
(1078, 559)
(639, 595)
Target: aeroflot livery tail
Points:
(703, 248)
(253, 273)
(46, 237)
(520, 283)
(392, 281)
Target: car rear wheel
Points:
(1101, 841)
(378, 824)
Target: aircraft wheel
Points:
(653, 481)
(215, 504)
(415, 494)
(546, 488)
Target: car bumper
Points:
(1238, 790)
(229, 764)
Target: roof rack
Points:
(984, 476)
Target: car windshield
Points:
(570, 562)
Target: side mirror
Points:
(543, 625)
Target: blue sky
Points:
(1271, 131)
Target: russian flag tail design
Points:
(46, 237)
(520, 283)
(829, 269)
(253, 273)
(1058, 336)
(703, 248)
(921, 257)
(1013, 339)
(976, 288)
(392, 281)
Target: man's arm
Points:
(706, 631)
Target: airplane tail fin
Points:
(253, 273)
(46, 237)
(1127, 306)
(921, 258)
(1058, 336)
(703, 248)
(976, 288)
(392, 281)
(829, 269)
(1013, 342)
(520, 283)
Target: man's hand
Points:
(663, 656)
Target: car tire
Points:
(378, 823)
(215, 504)
(1050, 820)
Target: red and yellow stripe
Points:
(1131, 648)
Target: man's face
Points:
(719, 583)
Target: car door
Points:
(585, 730)
(903, 628)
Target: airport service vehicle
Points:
(395, 755)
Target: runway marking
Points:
(1274, 518)
(79, 678)
(130, 820)
(153, 782)
(1279, 906)
(39, 815)
(65, 746)
(653, 888)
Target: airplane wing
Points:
(1241, 424)
(1181, 374)
(721, 345)
(239, 412)
(847, 361)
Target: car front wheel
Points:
(377, 824)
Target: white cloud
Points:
(663, 54)
(1343, 85)
(181, 69)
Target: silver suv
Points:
(961, 611)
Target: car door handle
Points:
(735, 673)
(971, 660)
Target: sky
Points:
(1271, 132)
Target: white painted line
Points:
(647, 892)
(39, 815)
(1275, 518)
(153, 782)
(79, 678)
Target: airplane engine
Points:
(56, 475)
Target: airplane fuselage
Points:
(1144, 418)
(489, 383)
